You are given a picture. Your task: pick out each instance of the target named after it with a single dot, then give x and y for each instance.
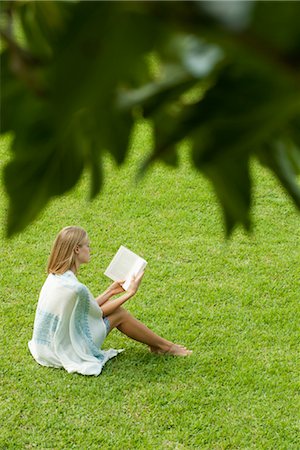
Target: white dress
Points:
(69, 328)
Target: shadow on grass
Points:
(141, 364)
(136, 364)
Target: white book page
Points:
(124, 265)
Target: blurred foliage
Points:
(75, 76)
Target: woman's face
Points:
(83, 252)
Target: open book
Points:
(124, 265)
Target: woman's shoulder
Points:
(68, 280)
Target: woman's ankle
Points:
(171, 349)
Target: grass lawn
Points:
(234, 303)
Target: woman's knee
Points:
(118, 316)
(121, 312)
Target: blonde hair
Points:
(62, 256)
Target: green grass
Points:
(235, 303)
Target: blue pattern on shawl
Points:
(81, 320)
(46, 324)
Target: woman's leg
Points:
(136, 330)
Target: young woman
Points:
(71, 325)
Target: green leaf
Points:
(185, 59)
(40, 169)
(293, 143)
(95, 76)
(279, 29)
(153, 95)
(18, 105)
(114, 131)
(96, 171)
(277, 156)
(36, 41)
(235, 15)
(231, 180)
(236, 115)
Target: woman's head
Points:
(66, 249)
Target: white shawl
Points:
(68, 328)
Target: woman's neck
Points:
(74, 269)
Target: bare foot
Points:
(174, 349)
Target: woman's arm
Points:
(108, 307)
(113, 289)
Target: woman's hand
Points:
(135, 283)
(116, 288)
(108, 307)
